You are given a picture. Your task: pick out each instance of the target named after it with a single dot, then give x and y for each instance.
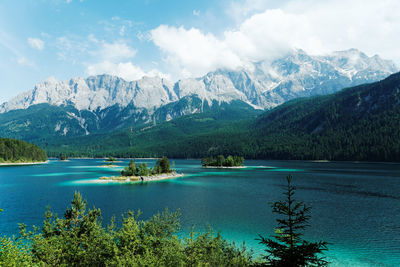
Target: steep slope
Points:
(104, 103)
(358, 123)
(43, 122)
(96, 92)
(153, 140)
(265, 85)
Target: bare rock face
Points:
(111, 100)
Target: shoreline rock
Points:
(157, 177)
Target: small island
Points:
(222, 162)
(110, 163)
(63, 157)
(133, 172)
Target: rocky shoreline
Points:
(158, 177)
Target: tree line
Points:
(221, 161)
(12, 150)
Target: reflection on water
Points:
(355, 206)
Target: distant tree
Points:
(209, 161)
(288, 248)
(143, 169)
(220, 160)
(238, 161)
(111, 159)
(131, 170)
(229, 162)
(62, 157)
(162, 165)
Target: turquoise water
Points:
(355, 206)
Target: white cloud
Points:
(193, 52)
(23, 61)
(315, 26)
(125, 70)
(115, 51)
(196, 12)
(36, 43)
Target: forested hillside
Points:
(12, 150)
(187, 136)
(358, 123)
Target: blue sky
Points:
(177, 39)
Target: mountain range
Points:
(357, 123)
(103, 104)
(265, 86)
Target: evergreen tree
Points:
(288, 248)
(143, 169)
(220, 160)
(162, 165)
(79, 239)
(131, 170)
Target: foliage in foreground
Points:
(288, 248)
(79, 239)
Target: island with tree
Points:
(110, 163)
(63, 157)
(222, 162)
(133, 172)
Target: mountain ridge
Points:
(267, 85)
(357, 123)
(105, 103)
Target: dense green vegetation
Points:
(162, 166)
(12, 150)
(111, 159)
(62, 157)
(80, 239)
(288, 248)
(359, 123)
(221, 161)
(153, 140)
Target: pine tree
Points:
(288, 248)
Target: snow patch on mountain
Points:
(264, 85)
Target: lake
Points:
(355, 206)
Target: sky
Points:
(179, 39)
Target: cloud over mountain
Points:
(318, 27)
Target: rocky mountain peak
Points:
(265, 85)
